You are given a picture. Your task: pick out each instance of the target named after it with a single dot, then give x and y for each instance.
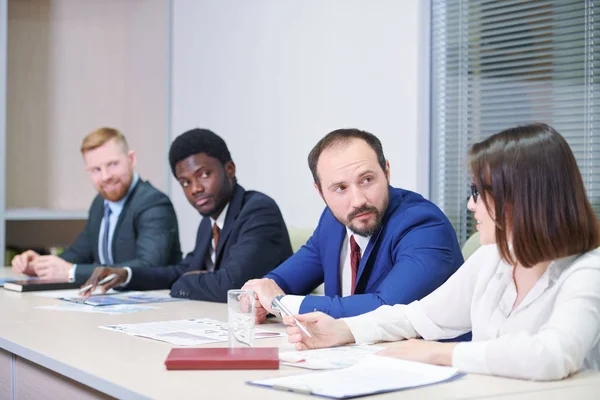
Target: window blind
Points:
(498, 64)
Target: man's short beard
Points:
(367, 230)
(116, 195)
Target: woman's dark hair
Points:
(540, 203)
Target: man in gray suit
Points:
(130, 222)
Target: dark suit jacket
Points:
(253, 241)
(146, 233)
(413, 253)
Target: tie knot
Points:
(354, 247)
(216, 229)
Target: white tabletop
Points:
(124, 366)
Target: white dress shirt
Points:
(552, 333)
(293, 302)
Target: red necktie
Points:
(216, 232)
(354, 260)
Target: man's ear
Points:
(387, 170)
(132, 158)
(230, 169)
(316, 186)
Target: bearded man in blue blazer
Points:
(374, 244)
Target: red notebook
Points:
(223, 358)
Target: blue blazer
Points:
(254, 240)
(413, 253)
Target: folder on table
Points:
(122, 298)
(4, 280)
(40, 284)
(374, 374)
(223, 358)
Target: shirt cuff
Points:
(470, 357)
(72, 273)
(422, 325)
(129, 273)
(292, 302)
(361, 329)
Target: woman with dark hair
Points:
(530, 294)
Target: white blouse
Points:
(553, 332)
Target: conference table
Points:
(50, 354)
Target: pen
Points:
(292, 389)
(102, 282)
(289, 313)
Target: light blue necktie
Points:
(105, 244)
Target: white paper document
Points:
(186, 332)
(114, 310)
(59, 294)
(374, 374)
(332, 358)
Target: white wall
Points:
(74, 66)
(274, 76)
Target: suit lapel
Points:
(393, 204)
(332, 257)
(235, 206)
(203, 242)
(113, 244)
(95, 221)
(365, 257)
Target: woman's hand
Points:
(421, 350)
(325, 331)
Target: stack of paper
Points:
(187, 332)
(374, 374)
(59, 294)
(113, 310)
(22, 278)
(123, 298)
(332, 358)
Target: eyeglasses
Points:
(475, 191)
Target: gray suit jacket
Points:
(146, 233)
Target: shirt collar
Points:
(362, 241)
(552, 273)
(117, 206)
(558, 266)
(220, 221)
